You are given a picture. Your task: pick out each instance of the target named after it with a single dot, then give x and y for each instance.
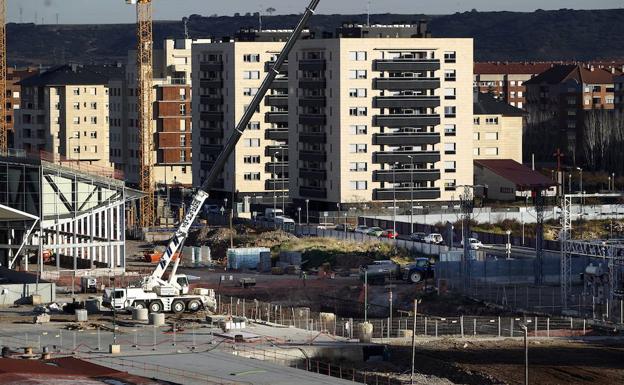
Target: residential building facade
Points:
(619, 93)
(379, 114)
(498, 129)
(13, 95)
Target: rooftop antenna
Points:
(186, 31)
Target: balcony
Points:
(276, 184)
(211, 99)
(276, 117)
(276, 134)
(279, 84)
(312, 101)
(405, 120)
(406, 65)
(405, 194)
(406, 176)
(206, 67)
(269, 64)
(406, 139)
(313, 156)
(402, 157)
(276, 101)
(211, 132)
(280, 150)
(211, 83)
(313, 192)
(275, 167)
(312, 137)
(313, 119)
(308, 173)
(212, 116)
(406, 102)
(312, 83)
(313, 65)
(398, 84)
(214, 149)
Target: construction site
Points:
(93, 291)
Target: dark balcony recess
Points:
(276, 134)
(407, 139)
(406, 176)
(312, 83)
(403, 157)
(206, 67)
(312, 137)
(312, 119)
(313, 192)
(276, 101)
(397, 84)
(406, 120)
(313, 65)
(406, 194)
(307, 173)
(276, 117)
(312, 101)
(313, 156)
(406, 102)
(406, 65)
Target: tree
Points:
(270, 10)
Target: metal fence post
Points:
(499, 327)
(511, 326)
(461, 321)
(436, 328)
(425, 326)
(474, 326)
(548, 327)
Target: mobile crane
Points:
(158, 294)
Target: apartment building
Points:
(561, 97)
(172, 124)
(64, 112)
(619, 93)
(380, 114)
(227, 75)
(497, 129)
(13, 95)
(505, 80)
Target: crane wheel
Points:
(155, 306)
(194, 305)
(415, 277)
(139, 305)
(178, 306)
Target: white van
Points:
(434, 238)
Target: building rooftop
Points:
(74, 75)
(584, 75)
(522, 176)
(486, 104)
(511, 68)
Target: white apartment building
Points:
(65, 114)
(379, 114)
(227, 75)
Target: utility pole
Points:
(467, 207)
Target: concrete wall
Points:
(11, 294)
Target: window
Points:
(450, 75)
(182, 125)
(519, 104)
(491, 151)
(182, 156)
(182, 140)
(519, 94)
(357, 148)
(450, 184)
(476, 120)
(76, 106)
(507, 190)
(491, 120)
(182, 109)
(450, 166)
(450, 111)
(252, 142)
(450, 93)
(358, 111)
(357, 74)
(512, 82)
(251, 159)
(94, 149)
(94, 120)
(253, 126)
(357, 55)
(94, 106)
(76, 134)
(358, 166)
(76, 120)
(359, 129)
(357, 92)
(93, 135)
(359, 185)
(252, 176)
(182, 93)
(450, 130)
(251, 74)
(609, 100)
(491, 136)
(76, 149)
(476, 136)
(76, 91)
(476, 151)
(450, 148)
(450, 57)
(250, 91)
(251, 58)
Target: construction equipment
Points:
(145, 70)
(4, 139)
(159, 294)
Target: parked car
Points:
(418, 271)
(341, 227)
(325, 226)
(474, 243)
(375, 231)
(377, 272)
(361, 229)
(390, 234)
(434, 238)
(418, 237)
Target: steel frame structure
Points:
(4, 139)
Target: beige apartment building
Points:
(497, 130)
(64, 114)
(380, 113)
(227, 75)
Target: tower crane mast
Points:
(4, 132)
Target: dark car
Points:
(341, 227)
(377, 272)
(418, 237)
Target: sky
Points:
(116, 11)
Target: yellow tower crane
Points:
(4, 139)
(145, 43)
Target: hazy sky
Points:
(116, 11)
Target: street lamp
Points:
(525, 329)
(508, 244)
(275, 184)
(613, 180)
(609, 188)
(411, 158)
(299, 212)
(570, 182)
(307, 212)
(394, 197)
(580, 170)
(283, 182)
(338, 205)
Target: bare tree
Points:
(270, 11)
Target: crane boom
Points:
(177, 241)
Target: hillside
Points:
(512, 36)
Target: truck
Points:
(172, 294)
(271, 214)
(284, 223)
(418, 271)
